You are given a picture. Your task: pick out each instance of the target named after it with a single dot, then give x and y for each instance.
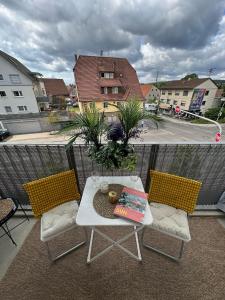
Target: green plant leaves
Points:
(116, 153)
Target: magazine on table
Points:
(131, 205)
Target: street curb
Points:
(186, 123)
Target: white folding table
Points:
(87, 216)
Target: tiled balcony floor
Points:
(7, 250)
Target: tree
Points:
(190, 76)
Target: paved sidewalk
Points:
(180, 121)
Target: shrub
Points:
(212, 113)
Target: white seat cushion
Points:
(170, 220)
(58, 220)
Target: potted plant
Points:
(108, 145)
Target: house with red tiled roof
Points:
(105, 80)
(56, 91)
(150, 91)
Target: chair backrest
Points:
(174, 190)
(48, 192)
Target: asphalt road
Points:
(173, 130)
(169, 131)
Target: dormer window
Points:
(107, 75)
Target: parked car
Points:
(4, 134)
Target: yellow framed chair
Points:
(171, 199)
(54, 199)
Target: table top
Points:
(87, 216)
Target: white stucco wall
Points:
(28, 99)
(177, 99)
(186, 100)
(209, 99)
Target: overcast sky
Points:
(175, 37)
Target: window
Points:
(182, 104)
(1, 77)
(22, 108)
(203, 102)
(169, 93)
(15, 78)
(105, 104)
(18, 93)
(177, 93)
(163, 93)
(2, 93)
(185, 93)
(168, 101)
(8, 109)
(108, 75)
(206, 93)
(175, 102)
(118, 103)
(163, 100)
(115, 90)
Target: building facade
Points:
(105, 82)
(16, 87)
(56, 91)
(40, 94)
(150, 92)
(196, 95)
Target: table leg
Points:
(115, 243)
(137, 243)
(90, 246)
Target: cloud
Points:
(172, 23)
(172, 36)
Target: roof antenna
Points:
(101, 53)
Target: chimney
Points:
(101, 53)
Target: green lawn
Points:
(74, 109)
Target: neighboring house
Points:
(40, 93)
(16, 87)
(220, 95)
(150, 92)
(56, 92)
(196, 95)
(72, 90)
(102, 81)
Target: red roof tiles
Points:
(55, 87)
(146, 88)
(183, 84)
(89, 82)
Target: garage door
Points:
(23, 126)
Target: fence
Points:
(23, 163)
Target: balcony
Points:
(199, 275)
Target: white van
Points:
(150, 106)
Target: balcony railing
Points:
(23, 163)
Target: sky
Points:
(170, 38)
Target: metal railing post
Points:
(151, 164)
(72, 163)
